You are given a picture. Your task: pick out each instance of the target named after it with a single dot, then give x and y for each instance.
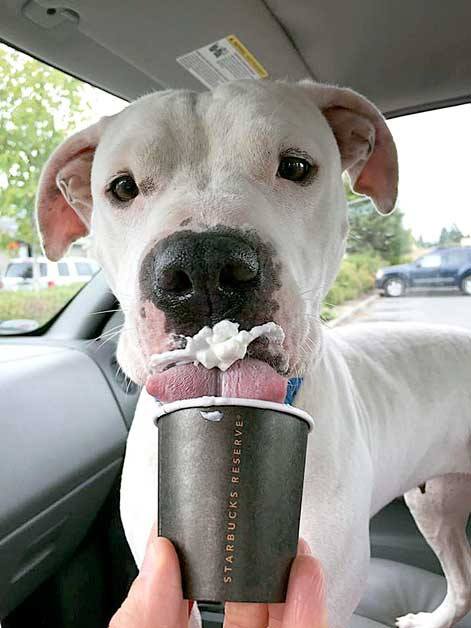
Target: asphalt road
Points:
(437, 306)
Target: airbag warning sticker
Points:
(225, 60)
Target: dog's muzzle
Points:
(198, 279)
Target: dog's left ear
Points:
(64, 200)
(366, 146)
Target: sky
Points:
(102, 103)
(434, 151)
(434, 165)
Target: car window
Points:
(30, 129)
(454, 258)
(411, 265)
(21, 270)
(83, 268)
(63, 269)
(430, 261)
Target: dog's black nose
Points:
(199, 266)
(201, 278)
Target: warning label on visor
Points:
(225, 60)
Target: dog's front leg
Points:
(138, 503)
(335, 523)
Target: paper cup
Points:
(231, 475)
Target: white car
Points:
(19, 272)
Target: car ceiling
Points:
(404, 55)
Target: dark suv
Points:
(440, 267)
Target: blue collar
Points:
(294, 384)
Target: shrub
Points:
(356, 277)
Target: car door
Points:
(453, 260)
(426, 271)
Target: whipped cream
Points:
(218, 347)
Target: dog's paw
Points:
(421, 620)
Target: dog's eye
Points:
(294, 168)
(124, 188)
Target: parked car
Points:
(19, 272)
(439, 268)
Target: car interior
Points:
(65, 405)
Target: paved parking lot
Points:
(438, 306)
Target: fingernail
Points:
(303, 547)
(148, 564)
(309, 597)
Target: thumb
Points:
(155, 599)
(305, 599)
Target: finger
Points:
(251, 615)
(245, 615)
(131, 611)
(165, 606)
(155, 599)
(305, 600)
(303, 547)
(276, 611)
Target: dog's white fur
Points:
(392, 403)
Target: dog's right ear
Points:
(64, 200)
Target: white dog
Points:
(231, 204)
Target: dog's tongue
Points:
(248, 378)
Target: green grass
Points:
(40, 305)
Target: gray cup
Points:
(229, 495)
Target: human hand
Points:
(155, 599)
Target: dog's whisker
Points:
(108, 339)
(129, 384)
(111, 338)
(119, 326)
(317, 290)
(118, 309)
(110, 333)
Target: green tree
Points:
(40, 106)
(450, 237)
(370, 232)
(454, 235)
(425, 244)
(443, 236)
